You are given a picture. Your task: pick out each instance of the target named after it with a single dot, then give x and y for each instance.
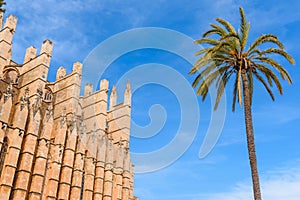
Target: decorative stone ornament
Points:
(72, 122)
(63, 118)
(8, 92)
(36, 106)
(49, 112)
(24, 100)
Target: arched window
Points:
(3, 153)
(48, 95)
(11, 76)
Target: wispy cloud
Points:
(278, 114)
(278, 184)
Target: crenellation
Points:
(47, 47)
(127, 94)
(104, 85)
(88, 90)
(30, 54)
(77, 68)
(8, 30)
(11, 23)
(113, 98)
(60, 145)
(61, 73)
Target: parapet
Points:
(30, 54)
(47, 47)
(77, 68)
(61, 73)
(11, 23)
(88, 89)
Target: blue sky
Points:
(77, 28)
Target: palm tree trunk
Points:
(250, 137)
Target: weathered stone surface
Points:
(54, 143)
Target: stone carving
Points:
(82, 125)
(38, 102)
(72, 122)
(49, 112)
(24, 100)
(8, 92)
(63, 118)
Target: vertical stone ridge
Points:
(27, 155)
(56, 154)
(100, 164)
(5, 110)
(90, 166)
(15, 137)
(76, 183)
(42, 156)
(108, 171)
(68, 159)
(60, 145)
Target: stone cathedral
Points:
(54, 143)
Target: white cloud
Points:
(279, 184)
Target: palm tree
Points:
(2, 10)
(224, 57)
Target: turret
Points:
(11, 23)
(47, 47)
(61, 73)
(113, 98)
(103, 84)
(6, 35)
(30, 54)
(88, 89)
(77, 68)
(127, 95)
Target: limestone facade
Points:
(54, 143)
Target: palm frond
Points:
(206, 83)
(264, 39)
(235, 88)
(221, 87)
(215, 30)
(284, 74)
(204, 60)
(270, 75)
(204, 73)
(281, 52)
(227, 25)
(207, 41)
(230, 36)
(244, 27)
(219, 28)
(265, 84)
(204, 50)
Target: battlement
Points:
(75, 145)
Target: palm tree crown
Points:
(227, 56)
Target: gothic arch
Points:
(48, 94)
(11, 74)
